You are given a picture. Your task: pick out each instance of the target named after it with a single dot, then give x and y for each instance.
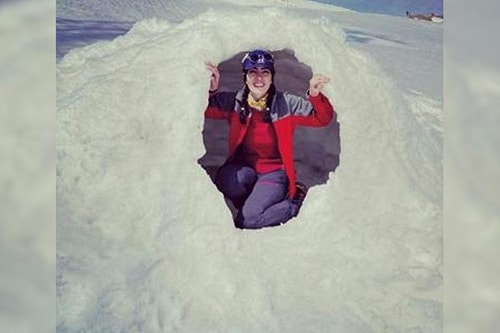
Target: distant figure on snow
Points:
(259, 175)
(425, 17)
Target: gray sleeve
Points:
(298, 106)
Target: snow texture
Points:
(145, 242)
(392, 7)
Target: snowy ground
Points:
(397, 8)
(145, 243)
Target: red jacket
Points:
(287, 111)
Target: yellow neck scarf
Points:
(258, 105)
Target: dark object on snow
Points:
(424, 17)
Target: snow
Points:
(392, 7)
(145, 242)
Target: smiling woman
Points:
(259, 177)
(259, 81)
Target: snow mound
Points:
(130, 11)
(363, 256)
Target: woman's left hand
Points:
(317, 83)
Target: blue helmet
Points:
(258, 58)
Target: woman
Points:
(259, 175)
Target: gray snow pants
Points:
(261, 199)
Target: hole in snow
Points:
(316, 150)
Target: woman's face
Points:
(258, 81)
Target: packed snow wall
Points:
(145, 241)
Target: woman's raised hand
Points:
(214, 79)
(317, 83)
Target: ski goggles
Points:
(258, 58)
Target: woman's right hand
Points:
(214, 79)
